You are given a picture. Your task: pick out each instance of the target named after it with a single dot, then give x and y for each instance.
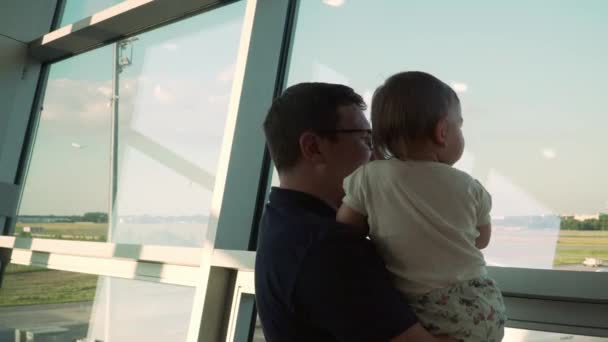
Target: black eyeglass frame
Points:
(370, 142)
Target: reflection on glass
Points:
(532, 102)
(67, 186)
(175, 85)
(130, 310)
(80, 9)
(172, 99)
(520, 335)
(258, 334)
(47, 304)
(65, 306)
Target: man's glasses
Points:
(367, 137)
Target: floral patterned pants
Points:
(472, 310)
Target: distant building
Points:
(33, 230)
(593, 262)
(583, 217)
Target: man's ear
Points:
(309, 146)
(440, 132)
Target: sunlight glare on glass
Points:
(549, 153)
(334, 3)
(460, 87)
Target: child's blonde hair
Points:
(407, 108)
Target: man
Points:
(317, 280)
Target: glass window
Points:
(47, 305)
(55, 305)
(173, 88)
(174, 96)
(532, 97)
(79, 9)
(67, 188)
(123, 306)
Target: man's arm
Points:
(344, 288)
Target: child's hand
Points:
(483, 240)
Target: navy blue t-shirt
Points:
(316, 280)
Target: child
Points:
(427, 219)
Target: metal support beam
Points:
(258, 77)
(112, 24)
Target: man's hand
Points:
(418, 334)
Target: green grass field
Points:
(574, 246)
(67, 231)
(23, 285)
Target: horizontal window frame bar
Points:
(243, 261)
(564, 286)
(117, 268)
(524, 313)
(169, 255)
(557, 316)
(556, 328)
(114, 23)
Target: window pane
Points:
(174, 97)
(52, 305)
(65, 306)
(122, 307)
(67, 187)
(258, 334)
(80, 9)
(520, 335)
(532, 97)
(174, 88)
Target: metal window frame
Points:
(259, 76)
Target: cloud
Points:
(169, 46)
(334, 3)
(106, 91)
(76, 101)
(226, 74)
(549, 153)
(460, 87)
(367, 96)
(73, 105)
(162, 94)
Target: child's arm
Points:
(351, 217)
(485, 232)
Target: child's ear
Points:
(441, 132)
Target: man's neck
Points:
(310, 186)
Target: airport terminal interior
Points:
(134, 170)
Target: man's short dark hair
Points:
(304, 107)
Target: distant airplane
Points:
(76, 145)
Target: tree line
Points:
(570, 223)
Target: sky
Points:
(173, 106)
(531, 77)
